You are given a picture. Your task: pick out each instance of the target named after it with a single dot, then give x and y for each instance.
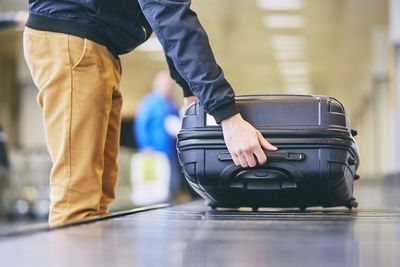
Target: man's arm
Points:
(189, 98)
(186, 45)
(178, 78)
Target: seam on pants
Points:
(83, 53)
(69, 130)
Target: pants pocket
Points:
(77, 48)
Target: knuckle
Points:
(255, 146)
(248, 149)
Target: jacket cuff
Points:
(224, 111)
(186, 90)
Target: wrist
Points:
(224, 111)
(231, 120)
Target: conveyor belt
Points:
(191, 234)
(23, 230)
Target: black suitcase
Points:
(315, 164)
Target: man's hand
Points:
(244, 142)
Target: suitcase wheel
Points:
(213, 207)
(352, 204)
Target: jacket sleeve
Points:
(186, 44)
(178, 78)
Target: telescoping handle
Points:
(271, 155)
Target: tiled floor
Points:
(192, 235)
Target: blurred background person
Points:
(11, 19)
(152, 126)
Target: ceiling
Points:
(327, 52)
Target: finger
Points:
(251, 161)
(235, 160)
(242, 160)
(265, 144)
(261, 157)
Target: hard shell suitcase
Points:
(315, 164)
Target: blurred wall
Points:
(395, 71)
(375, 117)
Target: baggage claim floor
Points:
(191, 234)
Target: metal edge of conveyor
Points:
(45, 228)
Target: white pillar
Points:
(384, 108)
(397, 144)
(394, 21)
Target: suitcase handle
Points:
(274, 156)
(287, 171)
(269, 95)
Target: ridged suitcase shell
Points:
(315, 165)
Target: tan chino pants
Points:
(78, 83)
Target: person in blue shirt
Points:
(12, 19)
(153, 110)
(151, 129)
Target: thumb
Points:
(265, 144)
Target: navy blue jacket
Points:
(122, 25)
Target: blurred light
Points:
(295, 79)
(284, 21)
(21, 207)
(301, 88)
(294, 72)
(280, 4)
(290, 55)
(294, 65)
(151, 45)
(41, 208)
(30, 193)
(291, 41)
(288, 47)
(295, 68)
